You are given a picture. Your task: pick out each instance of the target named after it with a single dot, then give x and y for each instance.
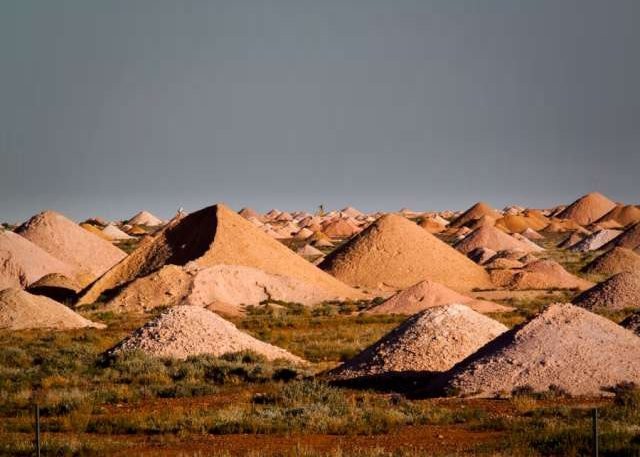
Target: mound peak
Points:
(396, 253)
(185, 331)
(211, 236)
(145, 218)
(433, 340)
(477, 211)
(618, 292)
(88, 254)
(588, 208)
(629, 239)
(429, 294)
(563, 347)
(614, 261)
(490, 237)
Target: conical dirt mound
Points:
(145, 218)
(540, 274)
(19, 310)
(493, 238)
(433, 340)
(614, 261)
(212, 236)
(22, 262)
(429, 294)
(564, 347)
(623, 214)
(588, 208)
(185, 331)
(396, 253)
(621, 291)
(65, 240)
(629, 239)
(477, 211)
(595, 241)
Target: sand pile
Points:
(429, 294)
(339, 228)
(22, 262)
(632, 322)
(629, 239)
(588, 208)
(614, 261)
(475, 212)
(213, 236)
(225, 287)
(622, 214)
(492, 238)
(145, 218)
(531, 234)
(433, 340)
(349, 211)
(56, 286)
(396, 253)
(561, 226)
(94, 229)
(250, 213)
(431, 225)
(595, 241)
(621, 291)
(111, 232)
(308, 251)
(89, 255)
(186, 331)
(20, 310)
(563, 347)
(520, 223)
(537, 275)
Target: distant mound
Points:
(113, 233)
(430, 294)
(621, 291)
(477, 211)
(433, 340)
(145, 218)
(629, 239)
(595, 241)
(564, 347)
(185, 331)
(614, 261)
(492, 238)
(622, 214)
(212, 236)
(89, 255)
(396, 253)
(20, 310)
(22, 262)
(588, 208)
(538, 275)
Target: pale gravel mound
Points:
(588, 208)
(114, 233)
(94, 229)
(185, 331)
(309, 251)
(618, 292)
(433, 340)
(212, 236)
(22, 262)
(475, 212)
(632, 323)
(595, 241)
(232, 285)
(394, 252)
(145, 218)
(629, 239)
(614, 261)
(239, 285)
(89, 255)
(564, 346)
(429, 294)
(622, 214)
(531, 234)
(492, 238)
(537, 275)
(571, 240)
(20, 310)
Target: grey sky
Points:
(110, 106)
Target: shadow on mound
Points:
(403, 382)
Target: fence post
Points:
(37, 414)
(595, 432)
